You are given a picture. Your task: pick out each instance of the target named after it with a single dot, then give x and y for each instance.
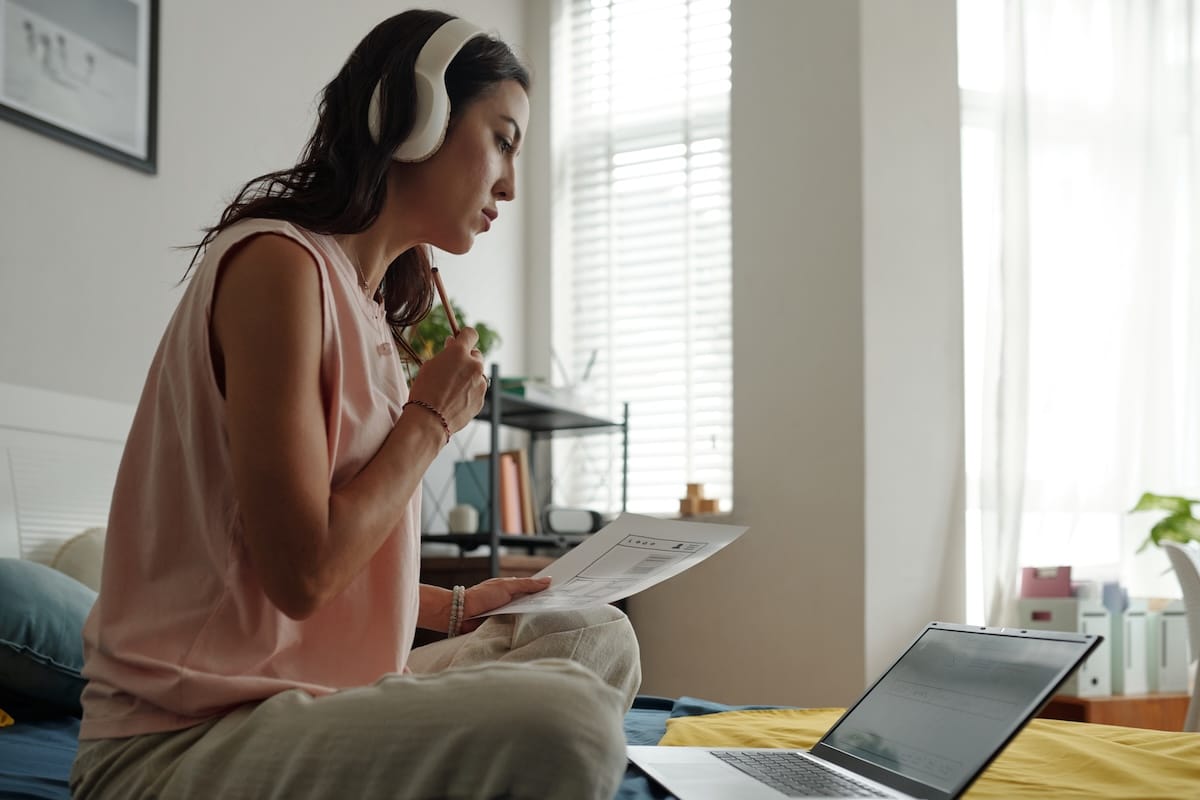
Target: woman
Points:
(260, 587)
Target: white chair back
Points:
(1185, 560)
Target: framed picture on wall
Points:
(84, 72)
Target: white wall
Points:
(912, 313)
(847, 360)
(548, 294)
(87, 269)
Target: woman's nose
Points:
(506, 187)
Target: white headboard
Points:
(58, 462)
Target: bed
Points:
(1049, 759)
(41, 655)
(58, 458)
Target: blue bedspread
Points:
(36, 756)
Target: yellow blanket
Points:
(1048, 759)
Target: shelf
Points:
(1165, 711)
(470, 541)
(538, 416)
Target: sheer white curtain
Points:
(1081, 150)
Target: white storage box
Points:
(1094, 676)
(1130, 651)
(1169, 654)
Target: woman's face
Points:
(456, 192)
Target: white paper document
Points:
(628, 555)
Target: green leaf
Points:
(1178, 526)
(1161, 502)
(431, 333)
(1181, 528)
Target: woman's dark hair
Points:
(339, 184)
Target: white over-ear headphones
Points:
(432, 101)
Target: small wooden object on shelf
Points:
(696, 503)
(1164, 711)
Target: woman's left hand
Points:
(491, 594)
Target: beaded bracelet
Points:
(458, 599)
(432, 410)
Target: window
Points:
(647, 194)
(1099, 179)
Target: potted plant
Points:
(1179, 525)
(430, 334)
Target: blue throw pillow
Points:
(41, 634)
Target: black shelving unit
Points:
(541, 420)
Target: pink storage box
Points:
(1045, 582)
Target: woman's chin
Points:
(457, 246)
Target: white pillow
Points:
(81, 557)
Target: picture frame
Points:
(84, 72)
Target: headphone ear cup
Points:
(431, 112)
(373, 119)
(432, 115)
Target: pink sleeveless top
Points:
(182, 629)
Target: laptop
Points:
(927, 728)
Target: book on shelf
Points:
(516, 492)
(529, 518)
(510, 495)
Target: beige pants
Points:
(526, 707)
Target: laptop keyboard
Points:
(795, 775)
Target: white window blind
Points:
(648, 190)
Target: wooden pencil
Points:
(441, 290)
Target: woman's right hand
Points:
(453, 381)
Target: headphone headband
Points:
(432, 101)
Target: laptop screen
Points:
(950, 702)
